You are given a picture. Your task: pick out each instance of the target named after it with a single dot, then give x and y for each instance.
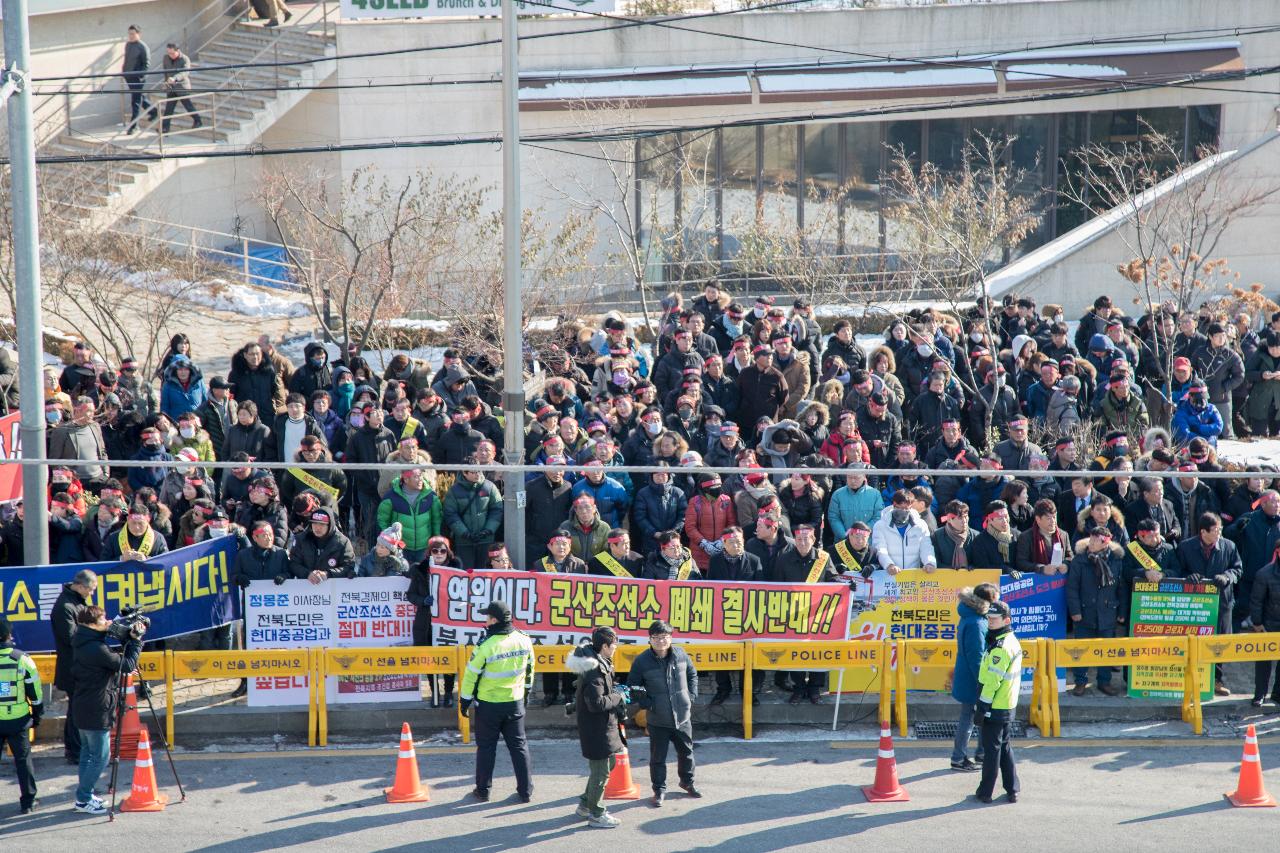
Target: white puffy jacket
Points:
(907, 548)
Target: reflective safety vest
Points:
(19, 681)
(500, 669)
(1000, 675)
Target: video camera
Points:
(131, 622)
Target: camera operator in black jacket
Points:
(96, 671)
(74, 597)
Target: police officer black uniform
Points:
(20, 709)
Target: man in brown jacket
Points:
(794, 367)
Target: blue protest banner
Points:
(182, 591)
(1038, 605)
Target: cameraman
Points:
(96, 673)
(75, 596)
(20, 709)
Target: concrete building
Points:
(788, 113)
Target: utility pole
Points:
(512, 314)
(26, 267)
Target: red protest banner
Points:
(564, 608)
(10, 447)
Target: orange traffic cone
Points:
(886, 788)
(408, 788)
(1249, 792)
(620, 786)
(145, 796)
(132, 723)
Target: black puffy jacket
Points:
(258, 564)
(96, 675)
(598, 706)
(63, 621)
(671, 683)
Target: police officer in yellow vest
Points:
(1000, 680)
(20, 709)
(497, 680)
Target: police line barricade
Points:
(1181, 652)
(387, 660)
(817, 655)
(914, 655)
(249, 663)
(152, 666)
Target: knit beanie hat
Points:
(392, 538)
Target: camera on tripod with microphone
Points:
(132, 623)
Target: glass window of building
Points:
(1202, 130)
(698, 196)
(738, 182)
(865, 157)
(822, 181)
(779, 176)
(946, 143)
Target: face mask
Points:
(316, 362)
(151, 445)
(357, 421)
(621, 378)
(899, 516)
(685, 413)
(923, 349)
(53, 417)
(975, 337)
(712, 491)
(653, 427)
(187, 432)
(217, 532)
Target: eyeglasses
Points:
(439, 551)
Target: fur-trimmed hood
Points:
(1116, 515)
(973, 602)
(583, 660)
(1082, 548)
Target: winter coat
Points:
(657, 508)
(722, 392)
(610, 496)
(95, 673)
(254, 440)
(1023, 561)
(944, 549)
(262, 385)
(419, 521)
(760, 393)
(747, 567)
(310, 426)
(260, 564)
(1164, 557)
(308, 378)
(368, 444)
(210, 413)
(849, 505)
(1129, 415)
(1264, 394)
(704, 520)
(148, 477)
(1099, 606)
(1256, 538)
(1188, 506)
(1063, 414)
(331, 554)
(62, 620)
(671, 683)
(907, 548)
(598, 708)
(473, 511)
(1221, 369)
(1264, 598)
(545, 510)
(1138, 510)
(1191, 422)
(1015, 458)
(248, 513)
(971, 646)
(175, 399)
(291, 486)
(1223, 561)
(985, 553)
(796, 374)
(977, 493)
(373, 566)
(64, 538)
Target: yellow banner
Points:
(240, 664)
(1121, 651)
(705, 657)
(389, 661)
(1239, 647)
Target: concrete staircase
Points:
(234, 116)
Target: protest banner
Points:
(1171, 608)
(1038, 605)
(344, 613)
(182, 592)
(557, 609)
(10, 448)
(911, 605)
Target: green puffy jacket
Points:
(472, 511)
(419, 521)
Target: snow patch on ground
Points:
(222, 295)
(1263, 454)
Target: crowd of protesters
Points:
(758, 386)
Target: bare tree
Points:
(1175, 212)
(653, 197)
(372, 241)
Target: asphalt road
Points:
(758, 796)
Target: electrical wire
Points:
(622, 134)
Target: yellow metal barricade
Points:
(1133, 651)
(249, 663)
(813, 655)
(395, 660)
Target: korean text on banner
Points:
(10, 448)
(1171, 608)
(182, 592)
(353, 613)
(563, 609)
(1038, 605)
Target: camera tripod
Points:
(121, 692)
